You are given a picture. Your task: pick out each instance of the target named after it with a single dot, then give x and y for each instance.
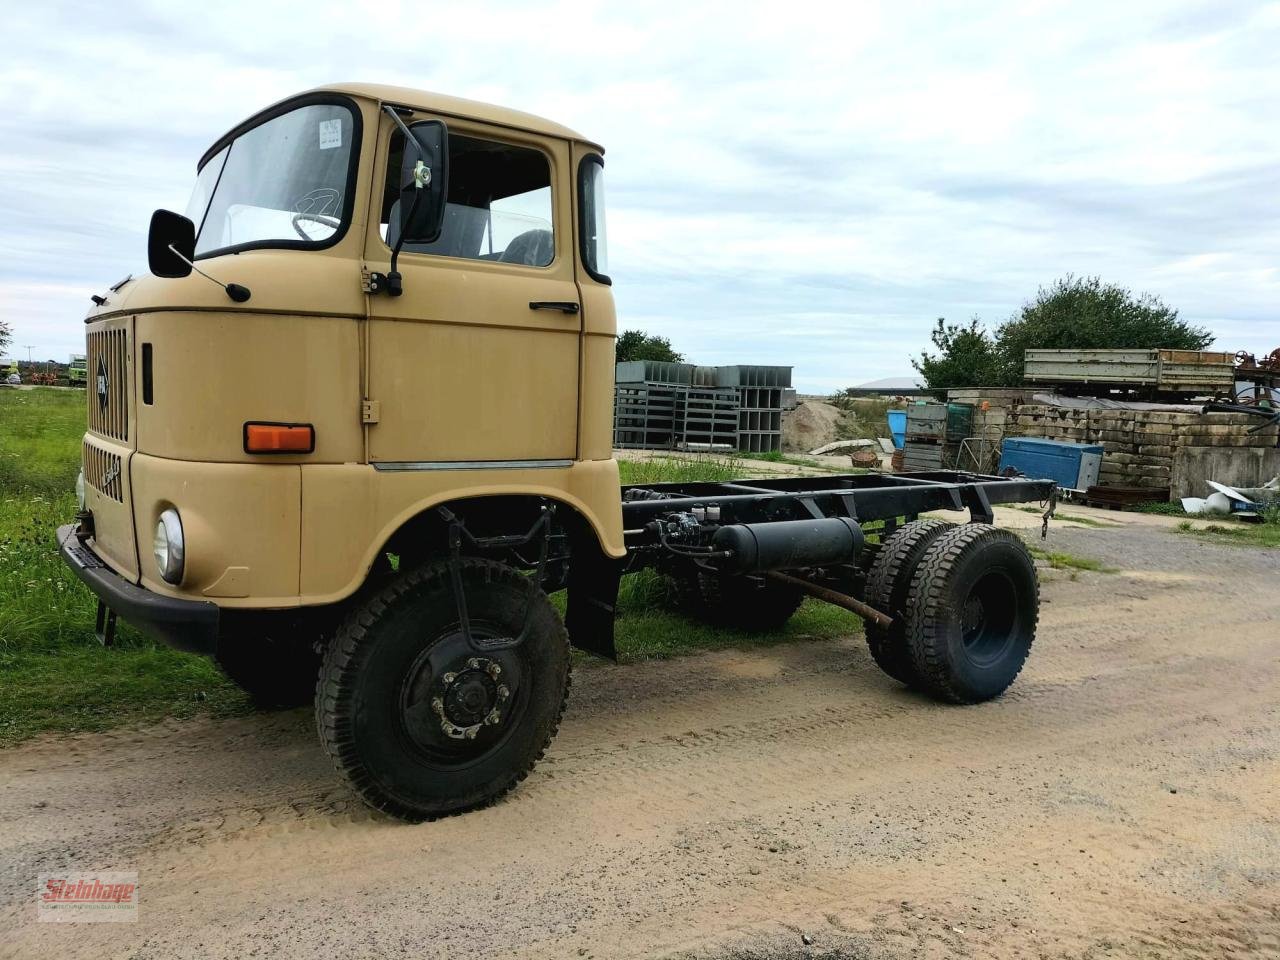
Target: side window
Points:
(499, 205)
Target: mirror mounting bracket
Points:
(388, 283)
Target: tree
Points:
(6, 336)
(637, 345)
(966, 358)
(1074, 313)
(1083, 313)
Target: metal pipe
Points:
(865, 611)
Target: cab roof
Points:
(436, 103)
(454, 106)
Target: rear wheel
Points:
(971, 613)
(888, 584)
(422, 723)
(755, 604)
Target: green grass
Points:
(55, 677)
(1069, 561)
(680, 470)
(647, 629)
(1266, 534)
(1162, 509)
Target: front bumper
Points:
(190, 625)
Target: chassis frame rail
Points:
(860, 497)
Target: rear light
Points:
(279, 438)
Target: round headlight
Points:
(80, 490)
(169, 548)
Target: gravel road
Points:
(1123, 799)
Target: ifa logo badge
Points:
(102, 383)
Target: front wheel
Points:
(971, 613)
(422, 723)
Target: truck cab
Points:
(287, 438)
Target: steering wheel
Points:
(324, 220)
(317, 206)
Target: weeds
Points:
(1069, 561)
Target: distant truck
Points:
(9, 371)
(78, 370)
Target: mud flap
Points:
(593, 594)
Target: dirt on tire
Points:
(1121, 799)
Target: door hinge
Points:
(370, 411)
(373, 282)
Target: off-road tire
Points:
(273, 658)
(971, 613)
(371, 659)
(888, 584)
(751, 604)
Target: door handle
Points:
(564, 306)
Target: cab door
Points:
(476, 363)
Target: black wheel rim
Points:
(456, 705)
(989, 618)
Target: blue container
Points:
(898, 427)
(1072, 466)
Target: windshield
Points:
(283, 183)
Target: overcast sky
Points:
(786, 184)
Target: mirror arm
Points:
(235, 291)
(408, 136)
(395, 285)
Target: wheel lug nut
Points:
(494, 670)
(473, 664)
(449, 677)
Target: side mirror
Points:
(171, 229)
(424, 182)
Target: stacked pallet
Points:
(760, 392)
(707, 419)
(680, 406)
(935, 432)
(1148, 448)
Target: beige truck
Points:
(354, 429)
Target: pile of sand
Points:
(811, 424)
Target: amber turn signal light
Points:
(279, 438)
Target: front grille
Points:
(102, 472)
(108, 386)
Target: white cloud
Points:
(809, 185)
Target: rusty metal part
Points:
(865, 611)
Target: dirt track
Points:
(1122, 800)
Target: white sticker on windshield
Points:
(330, 134)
